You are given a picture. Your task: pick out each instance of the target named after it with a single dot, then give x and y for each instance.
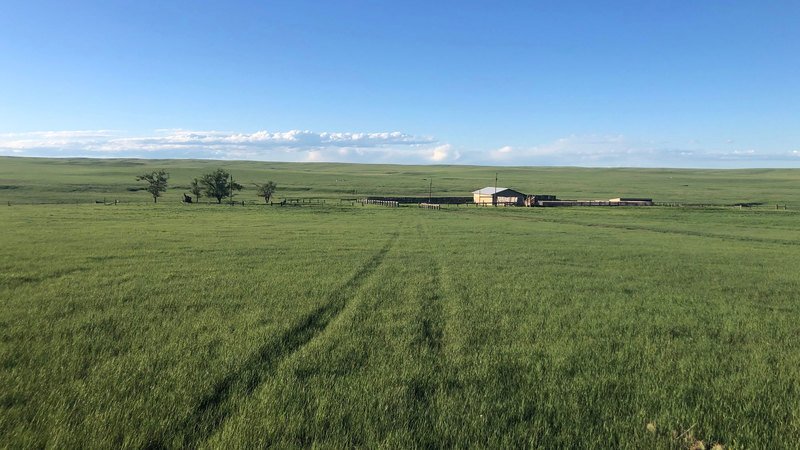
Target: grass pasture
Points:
(215, 326)
(82, 180)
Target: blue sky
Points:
(639, 83)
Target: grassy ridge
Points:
(70, 180)
(169, 325)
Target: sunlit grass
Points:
(362, 326)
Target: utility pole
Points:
(494, 198)
(430, 188)
(230, 186)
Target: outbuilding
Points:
(498, 196)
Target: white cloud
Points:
(293, 145)
(583, 148)
(314, 156)
(620, 151)
(444, 153)
(385, 147)
(50, 139)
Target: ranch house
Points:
(497, 196)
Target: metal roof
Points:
(490, 190)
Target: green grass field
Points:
(170, 325)
(41, 180)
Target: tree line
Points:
(218, 184)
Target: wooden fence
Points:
(425, 199)
(430, 206)
(552, 203)
(391, 204)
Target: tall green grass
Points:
(219, 326)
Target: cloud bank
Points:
(620, 151)
(293, 145)
(385, 147)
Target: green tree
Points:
(266, 190)
(156, 182)
(196, 188)
(219, 184)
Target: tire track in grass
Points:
(214, 408)
(424, 386)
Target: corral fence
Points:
(303, 201)
(430, 206)
(552, 203)
(498, 204)
(721, 205)
(703, 205)
(67, 202)
(389, 203)
(426, 199)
